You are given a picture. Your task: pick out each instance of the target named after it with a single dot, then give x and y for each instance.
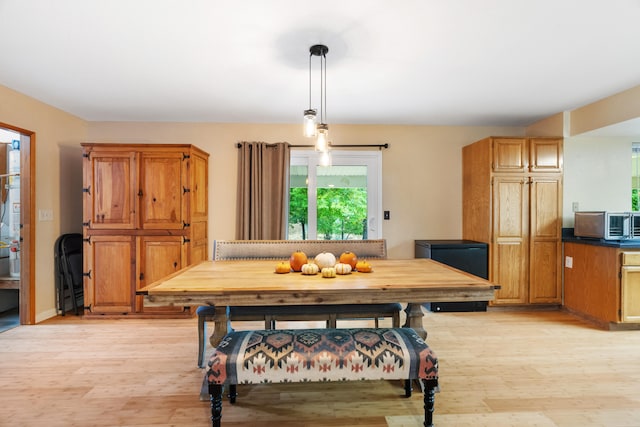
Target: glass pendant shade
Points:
(325, 159)
(309, 123)
(322, 143)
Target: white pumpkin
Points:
(309, 269)
(343, 268)
(325, 259)
(328, 272)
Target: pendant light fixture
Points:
(311, 126)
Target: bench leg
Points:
(429, 401)
(233, 393)
(215, 396)
(407, 388)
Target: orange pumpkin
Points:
(364, 267)
(349, 258)
(297, 260)
(283, 267)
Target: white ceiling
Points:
(423, 62)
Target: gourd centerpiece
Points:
(325, 263)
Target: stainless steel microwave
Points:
(607, 225)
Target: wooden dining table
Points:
(255, 283)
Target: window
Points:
(338, 202)
(635, 176)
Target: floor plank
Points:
(497, 368)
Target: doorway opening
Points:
(17, 195)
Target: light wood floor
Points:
(499, 368)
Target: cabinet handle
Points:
(140, 193)
(175, 264)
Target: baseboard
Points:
(41, 317)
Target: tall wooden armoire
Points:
(145, 215)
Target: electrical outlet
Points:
(387, 215)
(575, 206)
(45, 214)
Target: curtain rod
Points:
(380, 146)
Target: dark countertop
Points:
(567, 236)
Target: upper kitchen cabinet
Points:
(520, 155)
(512, 200)
(150, 199)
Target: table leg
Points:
(221, 326)
(414, 319)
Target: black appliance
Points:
(466, 255)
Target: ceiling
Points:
(409, 62)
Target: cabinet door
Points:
(545, 154)
(509, 260)
(159, 256)
(198, 188)
(510, 155)
(110, 281)
(545, 250)
(109, 199)
(198, 249)
(161, 190)
(630, 305)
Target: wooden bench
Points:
(321, 355)
(282, 250)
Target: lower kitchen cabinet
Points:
(630, 287)
(602, 283)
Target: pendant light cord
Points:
(310, 55)
(323, 71)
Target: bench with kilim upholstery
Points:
(321, 355)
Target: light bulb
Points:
(309, 123)
(322, 143)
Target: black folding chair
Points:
(68, 253)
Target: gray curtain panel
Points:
(263, 187)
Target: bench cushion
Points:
(311, 355)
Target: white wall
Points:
(597, 174)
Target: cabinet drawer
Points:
(630, 258)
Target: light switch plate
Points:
(568, 262)
(45, 214)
